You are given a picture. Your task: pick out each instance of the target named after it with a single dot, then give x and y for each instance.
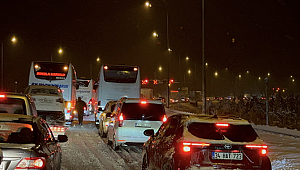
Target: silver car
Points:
(16, 103)
(28, 143)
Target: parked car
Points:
(16, 103)
(105, 117)
(50, 105)
(132, 117)
(204, 141)
(28, 143)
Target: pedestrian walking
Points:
(80, 104)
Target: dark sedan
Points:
(28, 143)
(189, 141)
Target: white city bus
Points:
(88, 94)
(116, 81)
(62, 75)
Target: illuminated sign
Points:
(51, 74)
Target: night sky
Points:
(258, 36)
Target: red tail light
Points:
(31, 163)
(262, 148)
(143, 102)
(57, 128)
(2, 96)
(222, 124)
(84, 108)
(121, 120)
(187, 145)
(165, 118)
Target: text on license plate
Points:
(142, 125)
(227, 156)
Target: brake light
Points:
(2, 96)
(31, 163)
(121, 120)
(105, 67)
(222, 124)
(187, 145)
(57, 128)
(143, 102)
(84, 108)
(263, 148)
(135, 69)
(165, 118)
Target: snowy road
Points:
(85, 150)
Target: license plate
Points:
(227, 156)
(148, 125)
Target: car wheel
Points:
(266, 163)
(145, 163)
(97, 125)
(100, 130)
(114, 144)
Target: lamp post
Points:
(147, 4)
(267, 101)
(203, 66)
(14, 39)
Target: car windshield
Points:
(12, 105)
(138, 111)
(11, 132)
(235, 133)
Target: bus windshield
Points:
(120, 74)
(50, 71)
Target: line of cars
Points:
(183, 141)
(26, 139)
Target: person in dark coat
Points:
(80, 104)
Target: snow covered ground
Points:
(86, 150)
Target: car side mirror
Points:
(149, 132)
(62, 138)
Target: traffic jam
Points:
(34, 135)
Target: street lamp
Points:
(147, 4)
(91, 66)
(14, 40)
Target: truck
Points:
(146, 93)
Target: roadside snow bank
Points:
(277, 130)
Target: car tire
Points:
(266, 163)
(145, 163)
(114, 144)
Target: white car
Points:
(132, 118)
(50, 106)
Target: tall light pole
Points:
(203, 66)
(14, 39)
(168, 48)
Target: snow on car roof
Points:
(214, 119)
(15, 117)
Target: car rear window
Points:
(138, 111)
(12, 105)
(235, 133)
(11, 132)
